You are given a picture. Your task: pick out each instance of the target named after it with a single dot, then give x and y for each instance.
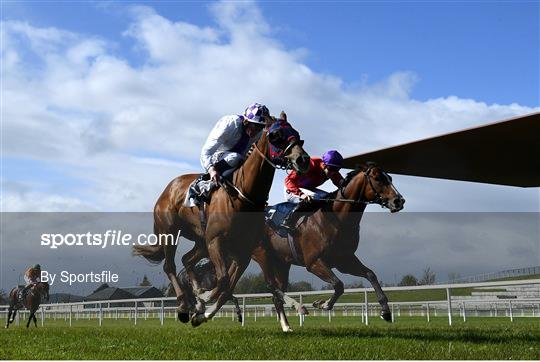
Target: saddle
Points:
(201, 189)
(22, 292)
(275, 214)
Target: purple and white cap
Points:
(256, 112)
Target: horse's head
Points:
(286, 146)
(375, 187)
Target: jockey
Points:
(32, 276)
(302, 189)
(226, 147)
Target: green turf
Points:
(343, 338)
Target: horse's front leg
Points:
(35, 319)
(320, 269)
(10, 310)
(30, 318)
(355, 267)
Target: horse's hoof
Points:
(317, 304)
(287, 330)
(387, 316)
(304, 311)
(239, 318)
(197, 320)
(183, 317)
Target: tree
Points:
(3, 297)
(428, 277)
(358, 284)
(301, 286)
(145, 282)
(251, 283)
(408, 280)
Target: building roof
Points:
(110, 293)
(64, 298)
(143, 291)
(498, 153)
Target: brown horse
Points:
(31, 301)
(235, 223)
(328, 239)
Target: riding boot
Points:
(290, 221)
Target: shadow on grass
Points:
(463, 335)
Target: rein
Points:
(377, 199)
(269, 161)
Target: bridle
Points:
(360, 200)
(287, 166)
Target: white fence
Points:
(157, 308)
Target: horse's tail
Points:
(153, 253)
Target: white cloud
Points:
(95, 113)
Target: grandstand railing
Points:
(144, 308)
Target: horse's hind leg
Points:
(222, 292)
(190, 259)
(35, 319)
(355, 267)
(237, 308)
(320, 269)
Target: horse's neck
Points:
(255, 176)
(348, 212)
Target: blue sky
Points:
(492, 44)
(105, 102)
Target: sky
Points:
(103, 103)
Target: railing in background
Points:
(145, 308)
(533, 270)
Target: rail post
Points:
(367, 307)
(427, 311)
(136, 312)
(243, 311)
(464, 315)
(70, 313)
(300, 314)
(100, 314)
(510, 306)
(449, 299)
(42, 316)
(392, 306)
(162, 312)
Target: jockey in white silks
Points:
(225, 149)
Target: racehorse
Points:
(31, 301)
(228, 229)
(328, 238)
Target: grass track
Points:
(343, 338)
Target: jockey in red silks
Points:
(302, 189)
(225, 149)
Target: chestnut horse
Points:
(328, 238)
(31, 301)
(235, 224)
